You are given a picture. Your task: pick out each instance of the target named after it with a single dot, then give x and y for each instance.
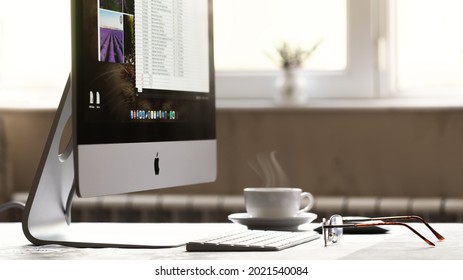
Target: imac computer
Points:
(142, 103)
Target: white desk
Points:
(399, 243)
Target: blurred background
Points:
(381, 132)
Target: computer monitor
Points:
(143, 84)
(141, 96)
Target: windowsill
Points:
(344, 104)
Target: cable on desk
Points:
(12, 204)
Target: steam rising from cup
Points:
(269, 170)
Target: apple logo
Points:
(156, 165)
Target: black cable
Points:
(12, 204)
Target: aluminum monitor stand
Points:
(47, 217)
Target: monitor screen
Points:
(143, 94)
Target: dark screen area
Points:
(108, 108)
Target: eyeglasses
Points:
(333, 228)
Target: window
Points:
(409, 48)
(369, 48)
(429, 47)
(35, 51)
(247, 30)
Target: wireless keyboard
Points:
(253, 240)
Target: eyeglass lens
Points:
(333, 234)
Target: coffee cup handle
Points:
(309, 205)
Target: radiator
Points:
(216, 208)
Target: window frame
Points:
(358, 80)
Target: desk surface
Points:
(399, 243)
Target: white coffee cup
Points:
(276, 202)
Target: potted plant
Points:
(291, 84)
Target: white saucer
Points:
(291, 223)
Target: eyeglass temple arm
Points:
(382, 224)
(438, 235)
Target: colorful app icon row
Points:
(152, 115)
